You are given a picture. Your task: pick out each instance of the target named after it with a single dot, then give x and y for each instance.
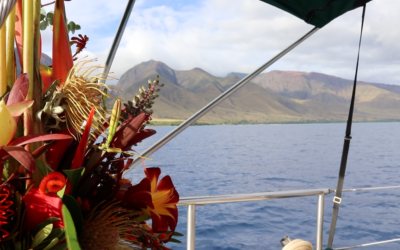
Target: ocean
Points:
(234, 159)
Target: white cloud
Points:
(221, 36)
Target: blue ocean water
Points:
(214, 160)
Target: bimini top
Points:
(317, 12)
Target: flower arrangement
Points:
(61, 188)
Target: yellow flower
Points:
(8, 125)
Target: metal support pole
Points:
(191, 227)
(216, 101)
(118, 36)
(320, 221)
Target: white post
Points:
(320, 221)
(191, 227)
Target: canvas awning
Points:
(317, 12)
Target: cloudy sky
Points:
(222, 36)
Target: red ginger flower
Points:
(53, 182)
(5, 212)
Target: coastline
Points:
(177, 122)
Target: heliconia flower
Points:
(162, 206)
(53, 182)
(62, 56)
(39, 207)
(5, 212)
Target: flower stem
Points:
(10, 59)
(37, 84)
(28, 44)
(3, 66)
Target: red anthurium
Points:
(62, 56)
(162, 206)
(39, 207)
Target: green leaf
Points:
(17, 245)
(61, 192)
(51, 244)
(43, 167)
(42, 14)
(5, 172)
(71, 27)
(70, 232)
(49, 17)
(77, 27)
(142, 218)
(75, 210)
(56, 233)
(177, 234)
(62, 237)
(74, 177)
(42, 225)
(43, 25)
(62, 246)
(41, 235)
(50, 90)
(1, 97)
(174, 240)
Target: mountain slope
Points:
(276, 96)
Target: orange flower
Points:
(157, 199)
(53, 182)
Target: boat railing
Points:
(191, 202)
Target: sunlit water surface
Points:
(215, 160)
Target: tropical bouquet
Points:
(64, 146)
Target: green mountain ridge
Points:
(273, 97)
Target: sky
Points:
(223, 36)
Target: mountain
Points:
(373, 99)
(240, 75)
(276, 96)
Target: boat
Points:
(318, 13)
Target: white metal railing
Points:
(191, 202)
